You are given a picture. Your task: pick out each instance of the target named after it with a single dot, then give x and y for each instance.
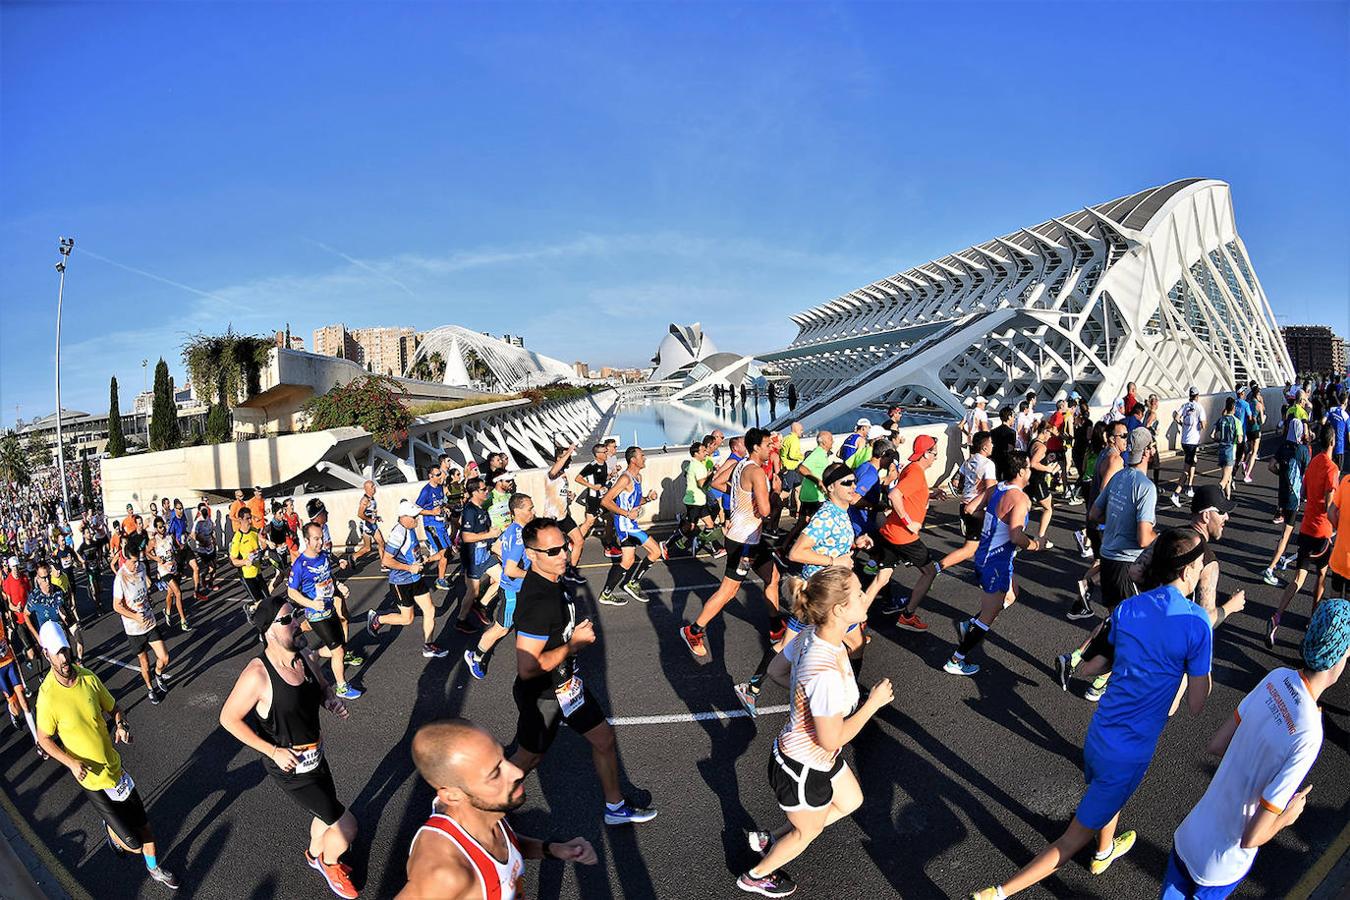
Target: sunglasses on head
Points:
(549, 551)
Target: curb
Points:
(28, 868)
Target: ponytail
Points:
(813, 598)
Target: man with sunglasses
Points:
(282, 688)
(405, 557)
(431, 500)
(549, 689)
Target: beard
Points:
(507, 806)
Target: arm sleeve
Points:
(825, 694)
(1275, 796)
(1202, 645)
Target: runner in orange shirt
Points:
(1314, 533)
(898, 540)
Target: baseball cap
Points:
(1208, 496)
(864, 422)
(1327, 637)
(1140, 440)
(1193, 391)
(970, 401)
(1074, 395)
(982, 400)
(408, 508)
(876, 431)
(14, 562)
(922, 444)
(52, 637)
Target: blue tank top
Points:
(995, 535)
(628, 499)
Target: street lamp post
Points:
(67, 244)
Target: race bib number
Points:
(323, 590)
(308, 757)
(122, 790)
(570, 695)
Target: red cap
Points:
(922, 444)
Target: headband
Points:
(1189, 556)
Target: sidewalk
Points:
(22, 874)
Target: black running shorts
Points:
(755, 555)
(1189, 451)
(137, 643)
(1314, 553)
(328, 631)
(971, 525)
(405, 594)
(125, 818)
(540, 716)
(798, 787)
(1116, 583)
(313, 792)
(889, 555)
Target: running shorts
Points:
(1314, 553)
(124, 818)
(9, 678)
(693, 513)
(23, 638)
(370, 528)
(635, 537)
(1189, 451)
(889, 555)
(1338, 584)
(567, 524)
(790, 480)
(1116, 583)
(755, 556)
(1038, 488)
(313, 792)
(137, 643)
(1111, 782)
(593, 507)
(256, 588)
(328, 631)
(541, 716)
(437, 537)
(1227, 455)
(798, 787)
(971, 525)
(204, 557)
(405, 594)
(506, 610)
(478, 570)
(170, 577)
(1179, 885)
(996, 569)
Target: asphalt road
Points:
(964, 779)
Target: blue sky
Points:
(584, 174)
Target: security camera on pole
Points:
(67, 244)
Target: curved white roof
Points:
(683, 346)
(503, 366)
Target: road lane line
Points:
(694, 717)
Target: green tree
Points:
(372, 402)
(218, 427)
(15, 465)
(36, 450)
(86, 484)
(232, 361)
(164, 414)
(117, 442)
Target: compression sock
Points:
(975, 635)
(762, 670)
(615, 576)
(640, 569)
(150, 862)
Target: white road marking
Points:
(116, 662)
(694, 717)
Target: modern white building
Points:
(473, 359)
(1155, 288)
(681, 348)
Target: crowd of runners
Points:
(834, 529)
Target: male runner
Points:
(592, 478)
(167, 553)
(481, 567)
(558, 506)
(698, 523)
(71, 705)
(11, 684)
(405, 557)
(312, 588)
(1191, 419)
(50, 602)
(282, 688)
(368, 517)
(203, 551)
(131, 600)
(548, 689)
(246, 551)
(1314, 532)
(431, 500)
(624, 500)
(975, 480)
(514, 565)
(748, 487)
(16, 588)
(856, 440)
(469, 851)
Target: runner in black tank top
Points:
(285, 684)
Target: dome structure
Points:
(680, 349)
(473, 359)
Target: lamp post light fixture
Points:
(67, 244)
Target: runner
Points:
(1338, 417)
(131, 601)
(898, 541)
(166, 553)
(1190, 418)
(1156, 637)
(1024, 422)
(749, 489)
(1002, 534)
(697, 526)
(975, 481)
(810, 779)
(312, 587)
(791, 456)
(281, 544)
(514, 565)
(405, 557)
(50, 602)
(1268, 747)
(1315, 531)
(246, 552)
(1005, 438)
(812, 492)
(469, 850)
(1043, 470)
(856, 440)
(368, 518)
(625, 500)
(592, 479)
(16, 587)
(11, 684)
(976, 421)
(235, 508)
(1254, 425)
(1227, 432)
(71, 705)
(257, 505)
(558, 506)
(479, 563)
(282, 689)
(203, 551)
(431, 500)
(548, 689)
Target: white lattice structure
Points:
(1154, 288)
(473, 359)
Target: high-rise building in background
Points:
(1314, 349)
(336, 340)
(383, 350)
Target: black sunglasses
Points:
(284, 620)
(550, 551)
(847, 482)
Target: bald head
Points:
(441, 749)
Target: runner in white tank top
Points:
(499, 879)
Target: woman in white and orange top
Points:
(813, 784)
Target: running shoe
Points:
(1063, 670)
(160, 683)
(186, 626)
(1272, 625)
(483, 618)
(154, 698)
(1287, 560)
(613, 552)
(608, 598)
(1119, 847)
(776, 632)
(749, 699)
(759, 841)
(719, 552)
(1074, 500)
(463, 626)
(634, 590)
(895, 606)
(911, 622)
(351, 659)
(442, 584)
(775, 884)
(1190, 491)
(349, 691)
(574, 577)
(431, 651)
(1081, 537)
(1277, 520)
(1046, 545)
(1268, 576)
(166, 878)
(628, 814)
(870, 567)
(373, 622)
(476, 666)
(1246, 479)
(1081, 611)
(959, 667)
(1176, 499)
(338, 876)
(694, 644)
(1098, 688)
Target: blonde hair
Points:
(813, 598)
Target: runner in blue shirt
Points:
(514, 566)
(1339, 418)
(405, 557)
(312, 587)
(480, 565)
(432, 503)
